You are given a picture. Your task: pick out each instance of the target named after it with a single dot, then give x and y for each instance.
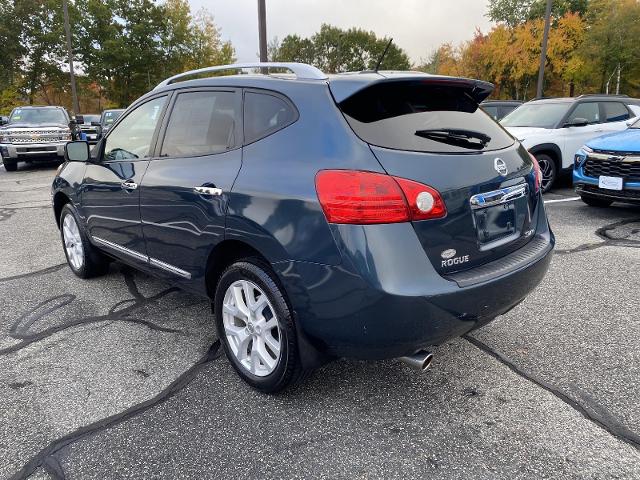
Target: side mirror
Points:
(79, 119)
(577, 122)
(77, 152)
(4, 120)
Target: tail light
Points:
(356, 197)
(537, 173)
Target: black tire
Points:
(596, 202)
(94, 262)
(288, 370)
(549, 171)
(10, 166)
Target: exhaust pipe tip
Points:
(419, 361)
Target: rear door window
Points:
(423, 117)
(201, 123)
(615, 112)
(265, 114)
(590, 111)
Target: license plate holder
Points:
(496, 222)
(610, 183)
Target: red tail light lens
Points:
(356, 197)
(537, 173)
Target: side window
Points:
(265, 114)
(615, 112)
(132, 137)
(201, 123)
(491, 111)
(589, 110)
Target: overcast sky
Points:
(418, 26)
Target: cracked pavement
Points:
(121, 376)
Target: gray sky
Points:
(418, 26)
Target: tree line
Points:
(593, 48)
(122, 48)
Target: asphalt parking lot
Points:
(120, 377)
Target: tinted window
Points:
(422, 117)
(541, 115)
(589, 111)
(132, 137)
(265, 114)
(615, 112)
(111, 116)
(201, 123)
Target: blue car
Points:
(607, 168)
(366, 215)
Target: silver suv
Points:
(35, 133)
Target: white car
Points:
(553, 129)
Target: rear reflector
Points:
(356, 197)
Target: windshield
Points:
(91, 118)
(541, 115)
(37, 115)
(111, 116)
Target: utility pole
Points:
(67, 29)
(543, 52)
(262, 29)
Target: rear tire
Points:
(256, 327)
(596, 202)
(83, 258)
(9, 165)
(549, 171)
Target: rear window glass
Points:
(615, 112)
(424, 118)
(265, 114)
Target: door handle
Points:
(213, 191)
(129, 185)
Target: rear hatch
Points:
(431, 130)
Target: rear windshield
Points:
(424, 118)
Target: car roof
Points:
(587, 98)
(28, 107)
(502, 102)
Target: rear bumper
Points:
(386, 300)
(585, 185)
(32, 151)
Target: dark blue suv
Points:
(367, 215)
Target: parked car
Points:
(107, 119)
(553, 129)
(499, 109)
(607, 168)
(368, 216)
(36, 133)
(89, 127)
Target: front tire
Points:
(9, 165)
(596, 202)
(256, 326)
(549, 171)
(83, 258)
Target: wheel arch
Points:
(550, 149)
(60, 199)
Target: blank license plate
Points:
(610, 183)
(493, 223)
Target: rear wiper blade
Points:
(456, 137)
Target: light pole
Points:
(67, 29)
(262, 29)
(543, 52)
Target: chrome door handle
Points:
(213, 191)
(129, 185)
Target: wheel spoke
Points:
(267, 360)
(239, 300)
(272, 343)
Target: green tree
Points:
(517, 12)
(333, 49)
(206, 48)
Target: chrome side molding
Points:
(497, 197)
(143, 258)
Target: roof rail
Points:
(586, 95)
(302, 71)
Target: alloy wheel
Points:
(548, 173)
(72, 242)
(251, 327)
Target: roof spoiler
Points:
(477, 89)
